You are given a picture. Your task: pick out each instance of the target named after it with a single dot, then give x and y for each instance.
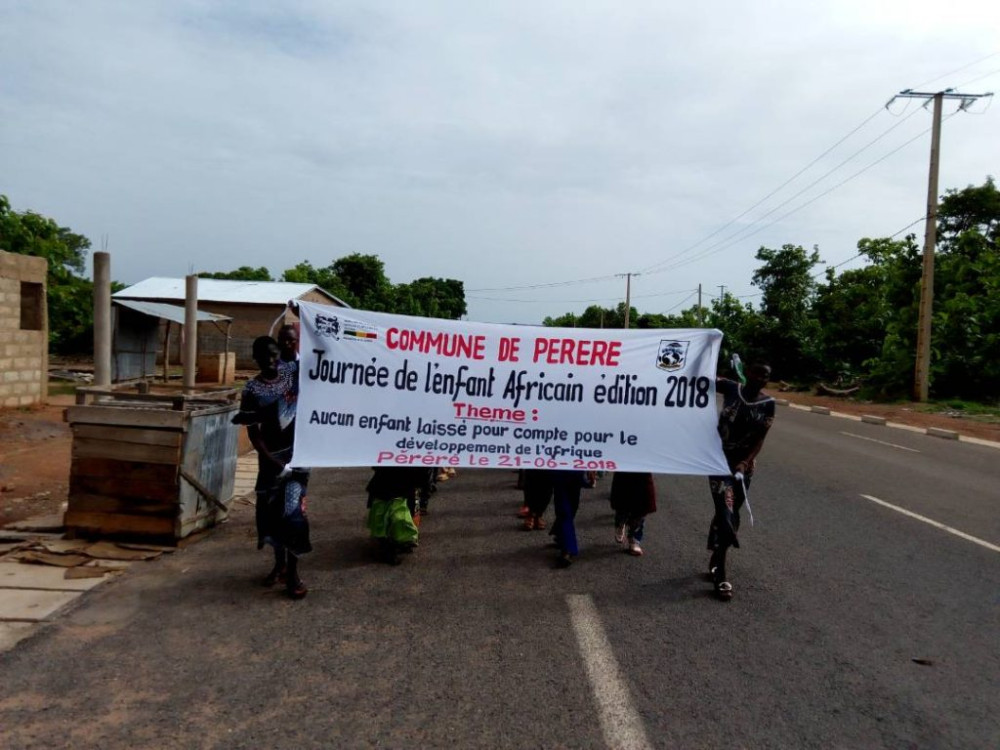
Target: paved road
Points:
(853, 624)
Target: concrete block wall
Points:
(23, 353)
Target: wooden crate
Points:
(157, 469)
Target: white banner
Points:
(395, 390)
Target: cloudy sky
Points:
(512, 145)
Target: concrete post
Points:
(921, 377)
(190, 332)
(102, 319)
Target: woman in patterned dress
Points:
(267, 408)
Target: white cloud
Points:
(522, 144)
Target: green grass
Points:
(958, 407)
(61, 388)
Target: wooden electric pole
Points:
(628, 295)
(921, 375)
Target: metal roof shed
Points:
(254, 306)
(225, 290)
(134, 343)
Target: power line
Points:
(726, 241)
(545, 286)
(777, 189)
(680, 303)
(735, 239)
(957, 70)
(735, 236)
(979, 78)
(578, 301)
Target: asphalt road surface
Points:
(866, 615)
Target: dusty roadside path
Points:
(35, 445)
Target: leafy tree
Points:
(360, 281)
(70, 296)
(566, 320)
(852, 315)
(431, 298)
(896, 266)
(788, 328)
(596, 316)
(304, 273)
(741, 328)
(965, 359)
(365, 279)
(972, 211)
(243, 273)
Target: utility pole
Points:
(722, 293)
(701, 316)
(628, 294)
(921, 375)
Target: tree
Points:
(365, 279)
(566, 320)
(360, 281)
(741, 328)
(966, 323)
(243, 273)
(596, 316)
(852, 316)
(897, 265)
(431, 298)
(70, 296)
(788, 329)
(972, 211)
(304, 273)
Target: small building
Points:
(136, 343)
(256, 308)
(24, 330)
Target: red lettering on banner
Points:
(459, 345)
(584, 352)
(492, 413)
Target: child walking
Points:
(392, 501)
(633, 497)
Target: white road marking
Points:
(880, 442)
(934, 523)
(620, 723)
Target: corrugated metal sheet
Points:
(173, 313)
(133, 344)
(223, 290)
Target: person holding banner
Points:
(392, 497)
(288, 342)
(746, 416)
(633, 497)
(566, 486)
(267, 408)
(537, 485)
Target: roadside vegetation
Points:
(855, 329)
(859, 327)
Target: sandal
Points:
(529, 523)
(539, 522)
(277, 575)
(724, 590)
(564, 560)
(297, 590)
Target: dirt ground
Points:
(35, 446)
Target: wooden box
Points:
(150, 469)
